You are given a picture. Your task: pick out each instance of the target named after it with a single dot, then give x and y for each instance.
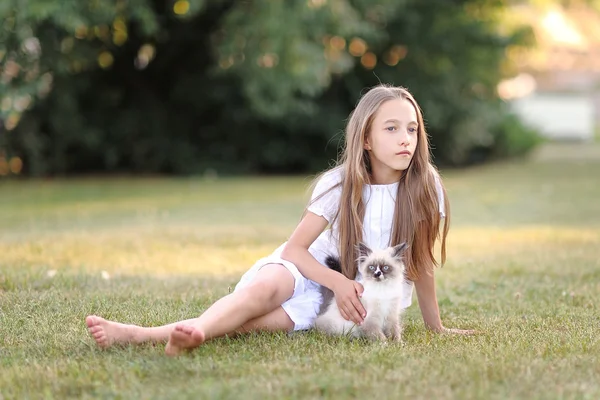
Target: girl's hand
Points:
(347, 293)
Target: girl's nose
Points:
(404, 140)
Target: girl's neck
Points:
(386, 179)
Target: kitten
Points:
(383, 275)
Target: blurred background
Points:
(196, 87)
(152, 150)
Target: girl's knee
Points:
(261, 291)
(266, 294)
(276, 281)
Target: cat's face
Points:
(381, 265)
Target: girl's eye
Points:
(390, 128)
(372, 268)
(385, 267)
(412, 130)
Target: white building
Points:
(558, 90)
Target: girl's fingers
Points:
(344, 315)
(359, 308)
(353, 313)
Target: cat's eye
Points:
(385, 267)
(372, 268)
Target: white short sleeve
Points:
(440, 194)
(325, 199)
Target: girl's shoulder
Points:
(332, 176)
(326, 194)
(329, 180)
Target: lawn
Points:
(523, 268)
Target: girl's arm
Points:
(296, 251)
(427, 298)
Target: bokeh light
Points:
(119, 31)
(15, 165)
(561, 30)
(226, 62)
(145, 55)
(81, 32)
(105, 59)
(517, 87)
(395, 54)
(181, 7)
(12, 121)
(369, 60)
(22, 103)
(357, 47)
(268, 60)
(337, 42)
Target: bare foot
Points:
(184, 337)
(107, 333)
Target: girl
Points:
(384, 191)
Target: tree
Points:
(237, 86)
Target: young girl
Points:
(384, 191)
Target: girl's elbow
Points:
(293, 251)
(288, 252)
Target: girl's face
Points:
(392, 140)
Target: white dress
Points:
(304, 304)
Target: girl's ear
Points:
(367, 145)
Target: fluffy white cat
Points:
(382, 273)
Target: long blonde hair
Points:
(416, 217)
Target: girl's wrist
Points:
(336, 280)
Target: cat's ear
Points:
(398, 250)
(363, 250)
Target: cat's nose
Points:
(377, 274)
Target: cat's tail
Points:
(328, 297)
(333, 263)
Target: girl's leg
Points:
(254, 307)
(275, 321)
(107, 333)
(266, 285)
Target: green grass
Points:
(523, 268)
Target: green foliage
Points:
(452, 61)
(178, 87)
(41, 40)
(513, 138)
(287, 64)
